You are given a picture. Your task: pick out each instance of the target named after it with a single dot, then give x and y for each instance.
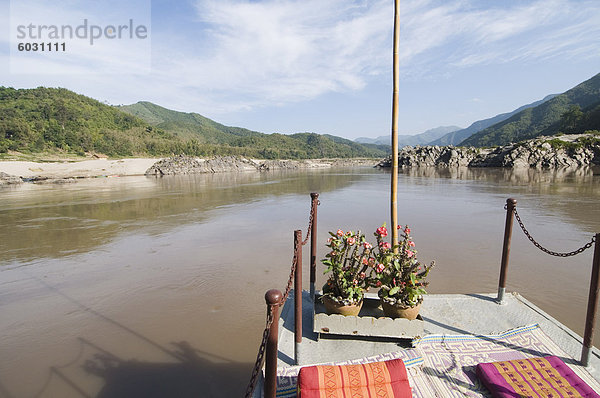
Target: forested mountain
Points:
(576, 121)
(542, 119)
(456, 137)
(269, 146)
(59, 120)
(188, 125)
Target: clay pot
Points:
(400, 311)
(333, 307)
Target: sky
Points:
(322, 66)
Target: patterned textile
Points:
(534, 377)
(444, 366)
(450, 361)
(376, 379)
(287, 377)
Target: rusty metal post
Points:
(313, 244)
(590, 319)
(510, 209)
(273, 298)
(298, 293)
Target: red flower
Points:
(351, 241)
(385, 246)
(382, 231)
(340, 232)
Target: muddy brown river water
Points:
(145, 287)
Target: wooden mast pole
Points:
(394, 188)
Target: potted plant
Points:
(347, 264)
(399, 276)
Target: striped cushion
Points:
(376, 379)
(533, 377)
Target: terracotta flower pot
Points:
(333, 307)
(400, 311)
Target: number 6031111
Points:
(49, 46)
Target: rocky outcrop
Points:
(7, 179)
(541, 152)
(182, 164)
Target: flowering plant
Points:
(398, 274)
(347, 262)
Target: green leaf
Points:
(394, 290)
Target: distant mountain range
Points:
(458, 136)
(574, 111)
(412, 140)
(59, 120)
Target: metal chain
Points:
(261, 356)
(263, 344)
(557, 254)
(290, 280)
(313, 210)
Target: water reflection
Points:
(53, 221)
(569, 193)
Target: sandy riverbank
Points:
(81, 169)
(15, 171)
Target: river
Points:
(146, 287)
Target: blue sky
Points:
(325, 65)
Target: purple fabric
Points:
(495, 382)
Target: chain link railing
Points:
(260, 357)
(270, 318)
(542, 248)
(590, 320)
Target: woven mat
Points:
(449, 363)
(444, 365)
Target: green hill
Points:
(540, 120)
(58, 119)
(61, 121)
(187, 125)
(250, 143)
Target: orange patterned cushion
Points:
(371, 380)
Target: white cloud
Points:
(276, 52)
(242, 54)
(458, 35)
(281, 51)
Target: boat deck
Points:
(450, 314)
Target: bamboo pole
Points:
(394, 188)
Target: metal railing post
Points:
(590, 319)
(273, 299)
(510, 209)
(313, 245)
(298, 293)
